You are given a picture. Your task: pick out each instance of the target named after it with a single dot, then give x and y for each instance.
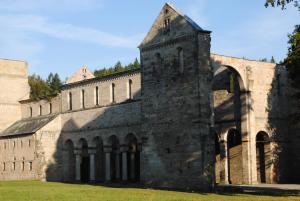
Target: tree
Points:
(292, 63)
(54, 83)
(281, 3)
(38, 87)
(273, 60)
(118, 67)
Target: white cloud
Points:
(37, 24)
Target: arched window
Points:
(97, 95)
(50, 108)
(112, 93)
(14, 164)
(167, 27)
(129, 89)
(41, 110)
(70, 101)
(23, 164)
(82, 99)
(30, 166)
(30, 111)
(180, 60)
(4, 166)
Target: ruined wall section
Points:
(14, 87)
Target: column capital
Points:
(124, 148)
(92, 150)
(77, 151)
(107, 149)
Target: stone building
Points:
(188, 119)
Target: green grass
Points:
(43, 191)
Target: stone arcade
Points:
(188, 119)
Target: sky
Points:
(60, 36)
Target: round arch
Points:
(133, 157)
(116, 163)
(69, 161)
(263, 157)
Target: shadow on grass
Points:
(219, 190)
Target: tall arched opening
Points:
(234, 157)
(69, 161)
(263, 157)
(133, 158)
(85, 161)
(99, 159)
(115, 167)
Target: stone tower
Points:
(13, 88)
(176, 104)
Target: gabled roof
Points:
(188, 19)
(27, 126)
(158, 21)
(82, 73)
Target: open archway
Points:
(69, 161)
(115, 168)
(133, 158)
(263, 157)
(234, 157)
(97, 144)
(85, 161)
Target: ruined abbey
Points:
(188, 119)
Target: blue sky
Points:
(63, 35)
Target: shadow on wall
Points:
(279, 106)
(104, 149)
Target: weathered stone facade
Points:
(188, 119)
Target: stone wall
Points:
(176, 105)
(17, 158)
(14, 87)
(30, 108)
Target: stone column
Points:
(77, 165)
(92, 153)
(132, 165)
(223, 162)
(117, 163)
(107, 151)
(124, 150)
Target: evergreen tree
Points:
(272, 60)
(118, 67)
(54, 83)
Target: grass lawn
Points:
(43, 191)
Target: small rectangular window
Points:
(70, 101)
(112, 93)
(97, 95)
(82, 99)
(50, 108)
(30, 166)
